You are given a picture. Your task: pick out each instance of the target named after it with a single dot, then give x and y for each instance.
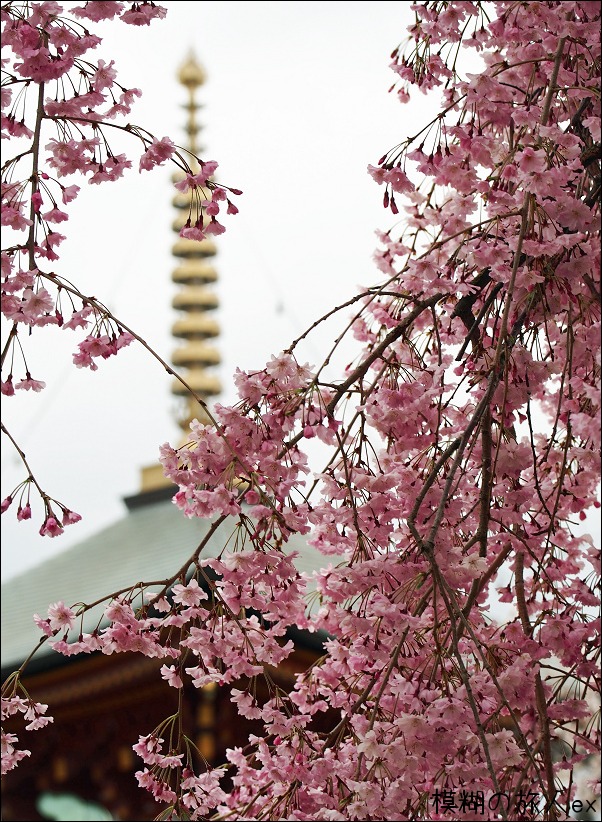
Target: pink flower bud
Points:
(70, 517)
(50, 528)
(24, 513)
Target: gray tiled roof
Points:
(150, 543)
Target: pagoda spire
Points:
(195, 275)
(195, 299)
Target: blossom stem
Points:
(35, 154)
(20, 452)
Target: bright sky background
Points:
(295, 106)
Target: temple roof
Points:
(150, 543)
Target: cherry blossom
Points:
(34, 715)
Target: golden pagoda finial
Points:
(191, 72)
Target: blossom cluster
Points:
(199, 793)
(34, 714)
(54, 523)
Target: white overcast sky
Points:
(295, 106)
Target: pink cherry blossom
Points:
(60, 616)
(24, 512)
(157, 153)
(98, 10)
(172, 676)
(190, 594)
(112, 168)
(104, 76)
(50, 528)
(70, 517)
(8, 389)
(11, 756)
(55, 215)
(214, 227)
(69, 193)
(141, 14)
(193, 232)
(79, 319)
(29, 384)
